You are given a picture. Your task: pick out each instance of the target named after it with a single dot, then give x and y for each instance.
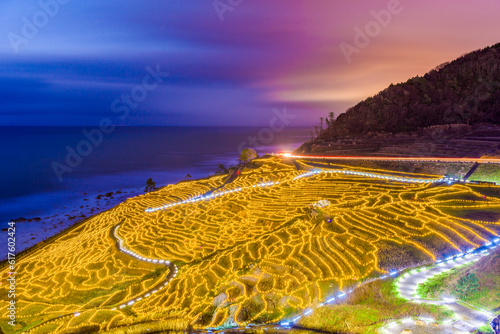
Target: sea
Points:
(53, 177)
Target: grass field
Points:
(368, 308)
(255, 255)
(485, 296)
(488, 172)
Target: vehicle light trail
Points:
(411, 159)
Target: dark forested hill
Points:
(465, 91)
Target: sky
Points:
(222, 62)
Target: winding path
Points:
(122, 248)
(465, 319)
(171, 273)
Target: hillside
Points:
(464, 93)
(485, 295)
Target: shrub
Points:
(467, 286)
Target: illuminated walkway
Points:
(214, 195)
(171, 273)
(465, 319)
(379, 176)
(407, 287)
(122, 248)
(209, 196)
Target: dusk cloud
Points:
(263, 55)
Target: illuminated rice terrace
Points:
(253, 254)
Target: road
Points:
(412, 159)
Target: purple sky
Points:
(263, 55)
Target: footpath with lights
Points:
(407, 287)
(209, 196)
(171, 274)
(122, 248)
(466, 319)
(215, 195)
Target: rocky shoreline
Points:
(33, 230)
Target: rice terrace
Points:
(250, 167)
(273, 241)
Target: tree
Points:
(316, 130)
(221, 169)
(331, 116)
(247, 155)
(150, 185)
(465, 91)
(330, 119)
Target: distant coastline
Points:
(165, 154)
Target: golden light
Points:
(253, 245)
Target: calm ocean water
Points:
(124, 160)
